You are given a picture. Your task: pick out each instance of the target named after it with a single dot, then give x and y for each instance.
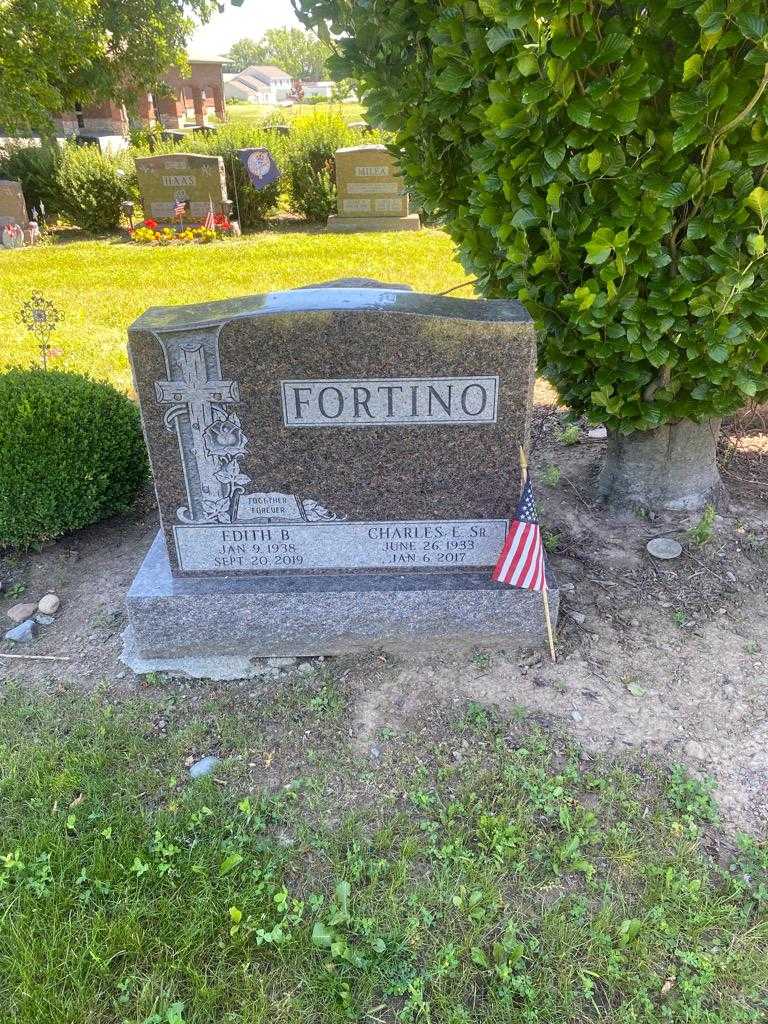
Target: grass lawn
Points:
(253, 113)
(102, 286)
(505, 881)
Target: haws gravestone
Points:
(194, 179)
(371, 192)
(335, 470)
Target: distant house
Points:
(259, 83)
(187, 98)
(324, 89)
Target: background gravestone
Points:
(190, 177)
(371, 192)
(335, 469)
(13, 209)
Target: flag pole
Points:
(544, 593)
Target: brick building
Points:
(191, 100)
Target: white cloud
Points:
(250, 21)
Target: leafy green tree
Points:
(606, 163)
(55, 54)
(243, 53)
(300, 53)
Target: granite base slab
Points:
(346, 225)
(173, 620)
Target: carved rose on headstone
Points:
(225, 438)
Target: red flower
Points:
(151, 224)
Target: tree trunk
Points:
(672, 468)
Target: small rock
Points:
(578, 617)
(20, 612)
(597, 434)
(23, 633)
(375, 751)
(664, 547)
(44, 620)
(49, 604)
(695, 750)
(281, 662)
(306, 668)
(203, 767)
(576, 716)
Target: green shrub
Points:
(310, 167)
(71, 453)
(92, 185)
(36, 168)
(602, 161)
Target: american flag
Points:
(521, 562)
(179, 208)
(209, 221)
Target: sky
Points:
(247, 22)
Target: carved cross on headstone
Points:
(193, 401)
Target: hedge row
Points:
(85, 187)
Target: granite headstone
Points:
(371, 192)
(13, 209)
(335, 469)
(193, 178)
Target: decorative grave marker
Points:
(335, 469)
(190, 178)
(371, 192)
(13, 209)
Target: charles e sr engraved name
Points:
(395, 401)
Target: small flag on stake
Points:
(179, 208)
(521, 562)
(209, 221)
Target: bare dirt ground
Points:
(668, 659)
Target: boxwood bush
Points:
(71, 453)
(310, 169)
(606, 163)
(92, 185)
(36, 168)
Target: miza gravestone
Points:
(335, 470)
(371, 192)
(197, 180)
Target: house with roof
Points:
(259, 83)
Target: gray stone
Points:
(664, 547)
(177, 661)
(49, 604)
(211, 628)
(204, 766)
(348, 225)
(695, 750)
(44, 620)
(23, 633)
(20, 612)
